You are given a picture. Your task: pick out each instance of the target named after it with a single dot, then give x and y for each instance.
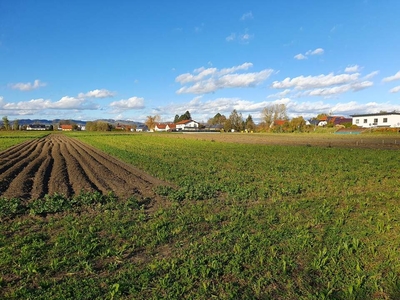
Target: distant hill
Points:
(78, 122)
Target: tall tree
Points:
(16, 125)
(218, 119)
(151, 121)
(176, 119)
(274, 112)
(236, 120)
(297, 124)
(249, 124)
(6, 123)
(185, 116)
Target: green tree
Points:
(6, 123)
(218, 119)
(236, 120)
(16, 125)
(297, 124)
(249, 124)
(185, 116)
(176, 119)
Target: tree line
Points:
(236, 122)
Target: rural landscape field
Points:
(88, 215)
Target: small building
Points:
(141, 128)
(36, 127)
(391, 119)
(66, 127)
(187, 125)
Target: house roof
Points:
(323, 118)
(161, 126)
(184, 121)
(337, 120)
(280, 122)
(377, 114)
(66, 126)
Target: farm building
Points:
(36, 127)
(391, 119)
(187, 125)
(164, 127)
(141, 128)
(66, 127)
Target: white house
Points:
(36, 127)
(187, 125)
(390, 119)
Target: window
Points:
(365, 120)
(375, 121)
(357, 121)
(384, 120)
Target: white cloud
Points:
(243, 38)
(231, 37)
(392, 78)
(393, 90)
(326, 92)
(103, 93)
(370, 75)
(300, 56)
(352, 69)
(211, 79)
(27, 86)
(41, 104)
(131, 103)
(247, 16)
(319, 81)
(280, 95)
(317, 51)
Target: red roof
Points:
(161, 126)
(183, 122)
(66, 126)
(280, 122)
(323, 118)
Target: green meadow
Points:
(242, 221)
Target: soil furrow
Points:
(59, 176)
(129, 177)
(104, 168)
(8, 175)
(16, 155)
(59, 164)
(79, 178)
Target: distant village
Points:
(274, 119)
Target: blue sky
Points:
(129, 59)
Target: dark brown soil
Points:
(60, 164)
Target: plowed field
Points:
(60, 164)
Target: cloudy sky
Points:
(129, 59)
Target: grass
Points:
(11, 138)
(245, 222)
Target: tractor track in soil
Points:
(60, 164)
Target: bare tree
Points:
(274, 112)
(151, 121)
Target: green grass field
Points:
(245, 221)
